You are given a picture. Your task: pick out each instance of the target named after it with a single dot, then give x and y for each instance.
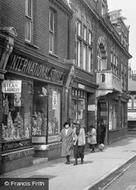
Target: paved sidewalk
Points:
(97, 166)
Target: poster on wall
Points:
(54, 100)
(11, 86)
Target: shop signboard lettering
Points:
(11, 86)
(30, 67)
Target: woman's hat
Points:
(66, 123)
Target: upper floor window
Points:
(79, 28)
(85, 33)
(135, 103)
(90, 38)
(90, 62)
(130, 104)
(28, 8)
(79, 53)
(83, 49)
(29, 20)
(52, 31)
(103, 8)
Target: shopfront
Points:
(46, 116)
(31, 110)
(16, 122)
(83, 105)
(112, 109)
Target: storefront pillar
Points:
(7, 36)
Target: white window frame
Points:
(84, 33)
(29, 20)
(84, 56)
(90, 64)
(130, 103)
(79, 44)
(52, 33)
(90, 38)
(79, 28)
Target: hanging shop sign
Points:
(92, 107)
(32, 68)
(11, 86)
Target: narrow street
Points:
(126, 180)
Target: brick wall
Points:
(13, 14)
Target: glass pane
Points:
(78, 53)
(16, 123)
(90, 38)
(79, 28)
(28, 7)
(39, 119)
(84, 56)
(89, 60)
(51, 20)
(50, 42)
(85, 33)
(54, 112)
(28, 30)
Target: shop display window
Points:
(46, 111)
(16, 122)
(79, 106)
(40, 110)
(54, 112)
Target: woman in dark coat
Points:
(67, 141)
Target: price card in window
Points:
(11, 86)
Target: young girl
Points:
(92, 138)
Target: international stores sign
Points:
(11, 86)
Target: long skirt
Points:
(78, 151)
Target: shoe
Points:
(75, 163)
(67, 162)
(92, 150)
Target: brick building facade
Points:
(34, 74)
(59, 60)
(108, 64)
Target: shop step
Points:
(39, 160)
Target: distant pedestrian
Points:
(67, 141)
(79, 143)
(91, 138)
